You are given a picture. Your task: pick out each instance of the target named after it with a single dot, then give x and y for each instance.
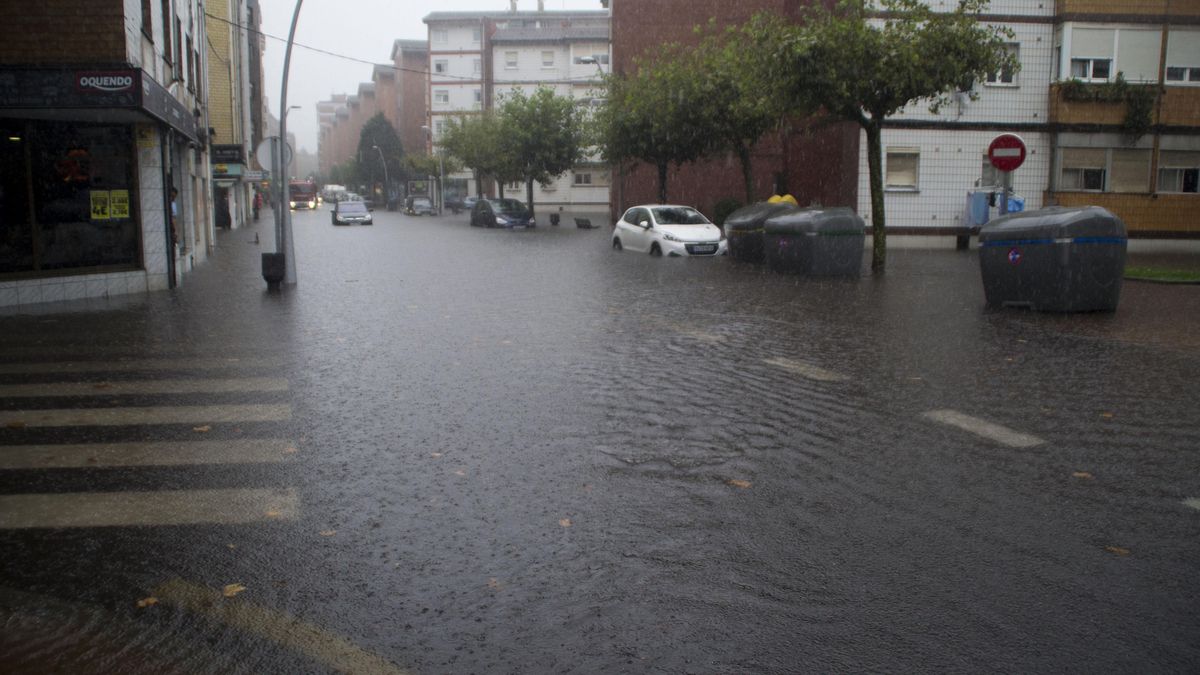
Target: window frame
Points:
(439, 36)
(907, 151)
(1091, 68)
(441, 66)
(512, 63)
(995, 79)
(441, 96)
(548, 64)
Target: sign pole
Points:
(289, 251)
(1005, 188)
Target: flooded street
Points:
(458, 450)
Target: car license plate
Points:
(704, 248)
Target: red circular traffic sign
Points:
(1006, 152)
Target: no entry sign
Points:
(1006, 152)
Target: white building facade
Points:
(476, 58)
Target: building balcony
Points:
(1128, 9)
(1145, 215)
(1179, 107)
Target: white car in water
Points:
(668, 229)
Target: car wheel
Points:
(616, 244)
(655, 251)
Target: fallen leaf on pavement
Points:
(1106, 415)
(737, 482)
(460, 472)
(146, 602)
(233, 589)
(327, 533)
(1117, 550)
(274, 514)
(102, 385)
(290, 450)
(435, 454)
(1083, 474)
(494, 584)
(231, 546)
(202, 430)
(565, 522)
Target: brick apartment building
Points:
(101, 112)
(820, 166)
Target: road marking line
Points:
(983, 428)
(1193, 503)
(252, 451)
(136, 365)
(806, 370)
(165, 507)
(196, 414)
(339, 654)
(120, 388)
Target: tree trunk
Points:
(662, 183)
(874, 129)
(743, 153)
(529, 195)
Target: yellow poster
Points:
(118, 204)
(100, 205)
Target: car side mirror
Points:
(645, 224)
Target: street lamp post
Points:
(288, 248)
(441, 195)
(386, 183)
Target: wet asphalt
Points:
(523, 452)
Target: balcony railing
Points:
(1130, 8)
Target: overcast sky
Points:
(360, 29)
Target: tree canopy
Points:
(379, 132)
(541, 136)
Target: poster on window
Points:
(118, 204)
(100, 210)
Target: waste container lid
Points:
(753, 216)
(1055, 222)
(838, 220)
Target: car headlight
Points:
(670, 237)
(501, 220)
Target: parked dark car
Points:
(416, 206)
(348, 212)
(491, 212)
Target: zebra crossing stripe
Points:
(120, 388)
(165, 507)
(199, 414)
(135, 365)
(101, 455)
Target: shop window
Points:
(1083, 169)
(67, 199)
(901, 171)
(1178, 171)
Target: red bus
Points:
(302, 194)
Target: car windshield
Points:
(678, 215)
(421, 202)
(508, 206)
(352, 207)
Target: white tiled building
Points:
(476, 57)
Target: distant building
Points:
(234, 105)
(477, 57)
(102, 111)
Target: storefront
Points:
(85, 156)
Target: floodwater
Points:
(521, 451)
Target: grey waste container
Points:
(1057, 259)
(744, 229)
(815, 241)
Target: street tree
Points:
(653, 115)
(379, 132)
(475, 141)
(541, 137)
(864, 65)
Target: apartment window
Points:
(192, 66)
(513, 186)
(477, 66)
(1006, 76)
(1178, 171)
(1083, 169)
(1091, 69)
(547, 59)
(441, 66)
(901, 170)
(1183, 74)
(439, 36)
(168, 51)
(583, 179)
(439, 127)
(510, 60)
(441, 96)
(147, 20)
(478, 97)
(477, 35)
(1129, 171)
